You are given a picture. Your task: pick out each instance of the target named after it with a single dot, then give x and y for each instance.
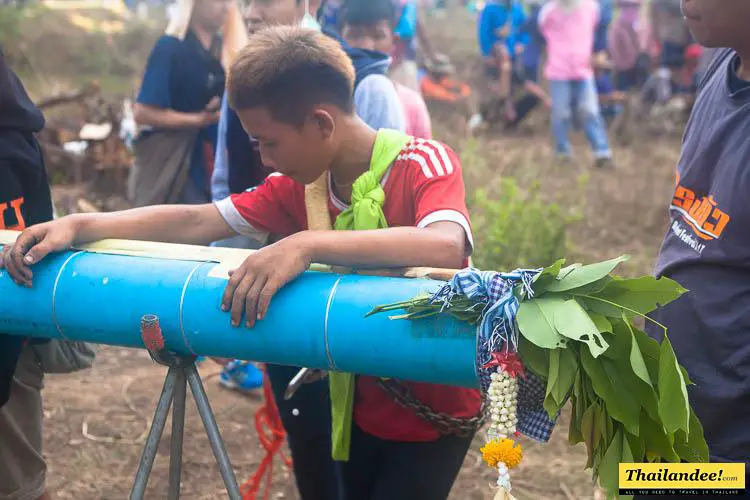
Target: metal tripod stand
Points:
(182, 372)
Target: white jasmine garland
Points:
(502, 395)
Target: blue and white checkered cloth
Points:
(498, 330)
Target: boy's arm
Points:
(442, 236)
(192, 224)
(252, 286)
(152, 116)
(441, 244)
(152, 107)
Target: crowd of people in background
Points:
(582, 60)
(536, 52)
(597, 58)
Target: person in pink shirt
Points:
(568, 27)
(418, 122)
(369, 25)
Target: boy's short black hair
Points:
(369, 12)
(290, 70)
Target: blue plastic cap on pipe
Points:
(317, 321)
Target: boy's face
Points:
(718, 23)
(212, 14)
(303, 152)
(378, 36)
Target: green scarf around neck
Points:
(365, 212)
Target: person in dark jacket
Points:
(706, 247)
(24, 201)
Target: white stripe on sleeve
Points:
(422, 163)
(237, 222)
(430, 153)
(435, 145)
(449, 216)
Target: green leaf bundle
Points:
(628, 393)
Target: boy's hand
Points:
(214, 104)
(34, 244)
(252, 285)
(206, 118)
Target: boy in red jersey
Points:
(292, 89)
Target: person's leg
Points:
(238, 375)
(662, 85)
(524, 105)
(504, 65)
(23, 471)
(593, 123)
(361, 472)
(625, 80)
(672, 58)
(318, 477)
(560, 91)
(307, 421)
(420, 470)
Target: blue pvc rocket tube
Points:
(316, 321)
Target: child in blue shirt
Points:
(610, 100)
(526, 70)
(501, 40)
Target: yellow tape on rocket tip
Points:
(8, 237)
(171, 251)
(226, 259)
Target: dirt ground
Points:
(95, 421)
(624, 212)
(114, 402)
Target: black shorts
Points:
(308, 431)
(393, 470)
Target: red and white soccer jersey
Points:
(423, 186)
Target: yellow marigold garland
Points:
(504, 451)
(500, 452)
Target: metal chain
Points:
(445, 424)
